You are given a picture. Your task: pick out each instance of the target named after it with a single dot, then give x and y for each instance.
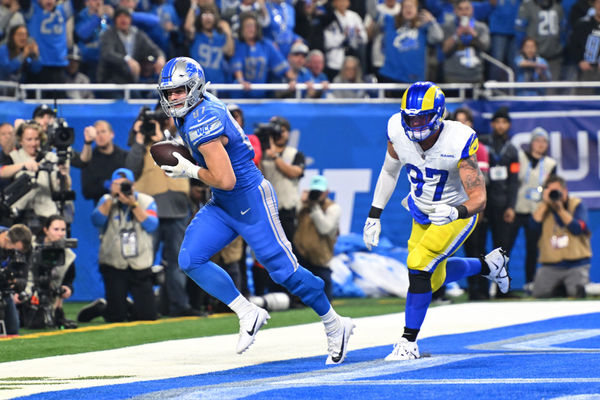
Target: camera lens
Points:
(126, 188)
(555, 195)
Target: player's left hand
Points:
(183, 169)
(443, 214)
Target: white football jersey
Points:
(433, 174)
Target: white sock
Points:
(331, 320)
(241, 306)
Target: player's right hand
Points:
(371, 232)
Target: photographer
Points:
(97, 165)
(171, 196)
(14, 242)
(318, 229)
(49, 171)
(53, 273)
(565, 248)
(283, 166)
(126, 219)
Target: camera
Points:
(314, 195)
(555, 195)
(265, 131)
(149, 119)
(126, 188)
(61, 137)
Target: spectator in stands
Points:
(90, 23)
(8, 143)
(543, 21)
(171, 39)
(283, 166)
(345, 35)
(232, 13)
(212, 44)
(75, 76)
(373, 19)
(47, 23)
(318, 229)
(17, 239)
(10, 15)
(535, 168)
(122, 48)
(584, 45)
(351, 72)
(62, 275)
(405, 41)
(311, 19)
(315, 62)
(171, 196)
(503, 185)
(503, 46)
(126, 220)
(565, 248)
(19, 56)
(50, 176)
(464, 39)
(143, 19)
(252, 51)
(281, 25)
(474, 246)
(530, 67)
(98, 164)
(297, 60)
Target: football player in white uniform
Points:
(447, 192)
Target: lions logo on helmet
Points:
(423, 107)
(178, 72)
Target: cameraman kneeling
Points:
(126, 219)
(13, 276)
(54, 270)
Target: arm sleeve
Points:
(386, 183)
(578, 225)
(151, 223)
(99, 219)
(328, 222)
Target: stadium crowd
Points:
(298, 41)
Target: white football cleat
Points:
(249, 326)
(404, 350)
(337, 341)
(497, 260)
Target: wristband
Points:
(88, 142)
(375, 212)
(462, 211)
(134, 205)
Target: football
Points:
(162, 152)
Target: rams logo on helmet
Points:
(423, 108)
(181, 72)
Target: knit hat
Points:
(502, 112)
(538, 132)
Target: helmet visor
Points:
(418, 121)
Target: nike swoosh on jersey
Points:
(251, 332)
(244, 212)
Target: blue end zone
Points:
(546, 359)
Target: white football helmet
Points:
(181, 71)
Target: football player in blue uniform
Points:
(447, 192)
(243, 203)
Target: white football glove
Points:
(183, 169)
(371, 232)
(443, 214)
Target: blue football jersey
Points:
(48, 30)
(210, 120)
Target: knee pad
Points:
(417, 259)
(419, 282)
(305, 285)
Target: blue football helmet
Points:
(422, 110)
(181, 71)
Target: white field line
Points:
(209, 354)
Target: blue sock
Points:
(458, 268)
(215, 281)
(416, 308)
